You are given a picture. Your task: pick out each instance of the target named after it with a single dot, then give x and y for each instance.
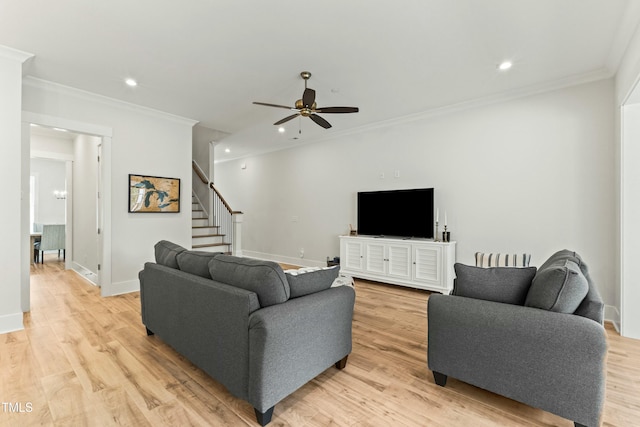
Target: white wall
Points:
(85, 185)
(628, 200)
(202, 136)
(12, 160)
(143, 142)
(50, 147)
(630, 292)
(50, 177)
(529, 175)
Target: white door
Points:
(353, 255)
(427, 264)
(399, 261)
(375, 259)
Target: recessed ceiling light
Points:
(281, 129)
(131, 82)
(505, 65)
(226, 150)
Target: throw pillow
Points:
(265, 278)
(166, 253)
(307, 281)
(559, 287)
(502, 260)
(196, 262)
(500, 284)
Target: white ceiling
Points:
(208, 60)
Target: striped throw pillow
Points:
(502, 260)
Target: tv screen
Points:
(396, 213)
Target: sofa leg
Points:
(149, 331)
(340, 364)
(577, 424)
(441, 379)
(264, 418)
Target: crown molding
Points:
(624, 34)
(47, 85)
(15, 54)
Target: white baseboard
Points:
(611, 314)
(85, 273)
(11, 323)
(302, 262)
(120, 288)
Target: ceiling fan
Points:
(306, 107)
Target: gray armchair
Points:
(544, 357)
(53, 238)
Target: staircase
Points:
(205, 237)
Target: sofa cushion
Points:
(560, 286)
(500, 284)
(166, 253)
(265, 278)
(307, 281)
(196, 262)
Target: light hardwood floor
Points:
(86, 360)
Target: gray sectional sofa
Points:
(255, 330)
(533, 336)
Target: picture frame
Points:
(149, 194)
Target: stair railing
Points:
(228, 221)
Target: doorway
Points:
(91, 142)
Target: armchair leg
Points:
(577, 424)
(340, 364)
(264, 418)
(149, 331)
(440, 379)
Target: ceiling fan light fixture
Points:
(307, 107)
(281, 129)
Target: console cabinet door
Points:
(353, 258)
(399, 261)
(427, 265)
(375, 258)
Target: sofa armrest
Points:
(548, 360)
(204, 320)
(291, 343)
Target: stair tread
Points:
(205, 226)
(209, 245)
(209, 235)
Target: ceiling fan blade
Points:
(337, 110)
(319, 120)
(273, 105)
(286, 119)
(308, 97)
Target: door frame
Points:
(104, 256)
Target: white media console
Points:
(422, 264)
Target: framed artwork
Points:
(153, 194)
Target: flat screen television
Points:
(396, 213)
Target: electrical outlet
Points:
(301, 252)
(396, 174)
